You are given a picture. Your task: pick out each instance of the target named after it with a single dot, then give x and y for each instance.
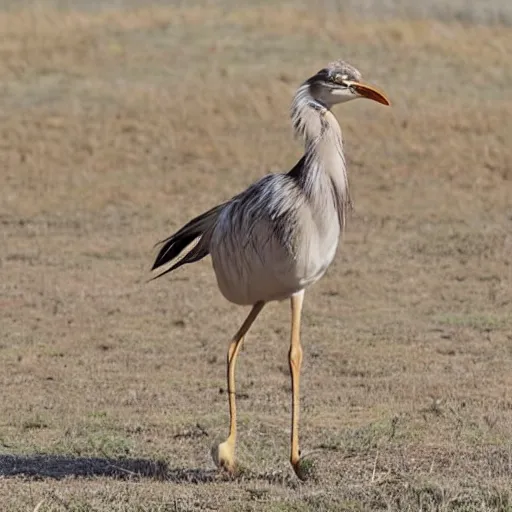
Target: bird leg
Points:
(224, 453)
(295, 360)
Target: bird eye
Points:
(340, 79)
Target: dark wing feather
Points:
(176, 243)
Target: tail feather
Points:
(176, 243)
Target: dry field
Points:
(117, 125)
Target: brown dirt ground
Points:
(115, 128)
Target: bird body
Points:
(279, 236)
(268, 244)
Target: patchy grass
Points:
(118, 125)
(484, 323)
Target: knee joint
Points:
(295, 356)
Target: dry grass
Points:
(116, 127)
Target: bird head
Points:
(340, 82)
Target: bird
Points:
(279, 236)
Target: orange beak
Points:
(369, 92)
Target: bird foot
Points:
(304, 468)
(223, 455)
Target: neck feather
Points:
(323, 170)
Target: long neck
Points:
(323, 170)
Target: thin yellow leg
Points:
(295, 360)
(224, 453)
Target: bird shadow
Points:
(62, 466)
(42, 466)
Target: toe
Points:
(224, 457)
